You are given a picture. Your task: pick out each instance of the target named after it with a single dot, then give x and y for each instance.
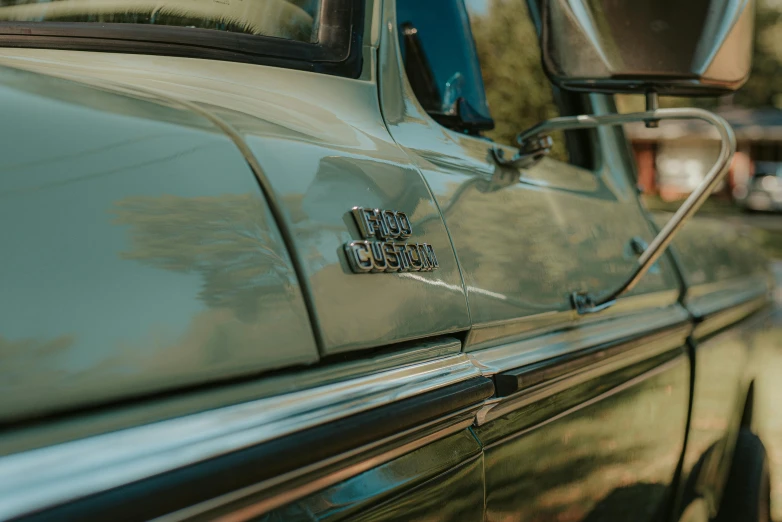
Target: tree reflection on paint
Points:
(225, 239)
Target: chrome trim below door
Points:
(424, 435)
(529, 351)
(638, 350)
(707, 299)
(728, 316)
(42, 478)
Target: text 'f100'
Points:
(387, 255)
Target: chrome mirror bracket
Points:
(584, 303)
(587, 302)
(530, 152)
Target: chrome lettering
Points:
(359, 257)
(385, 254)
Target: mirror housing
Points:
(672, 47)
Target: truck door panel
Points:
(525, 239)
(605, 449)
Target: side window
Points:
(517, 90)
(289, 19)
(313, 35)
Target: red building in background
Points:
(674, 158)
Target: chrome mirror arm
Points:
(586, 302)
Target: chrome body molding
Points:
(491, 334)
(530, 351)
(729, 316)
(706, 299)
(328, 472)
(638, 351)
(657, 370)
(42, 478)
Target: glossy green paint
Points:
(525, 239)
(718, 400)
(138, 251)
(727, 351)
(721, 265)
(321, 155)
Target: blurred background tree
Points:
(764, 87)
(518, 91)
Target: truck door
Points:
(591, 412)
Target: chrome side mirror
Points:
(673, 47)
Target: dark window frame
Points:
(337, 51)
(469, 114)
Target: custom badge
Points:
(385, 247)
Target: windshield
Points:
(290, 19)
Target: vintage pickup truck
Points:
(260, 263)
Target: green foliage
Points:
(518, 91)
(225, 239)
(763, 87)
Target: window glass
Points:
(441, 63)
(290, 19)
(517, 89)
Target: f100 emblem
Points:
(385, 247)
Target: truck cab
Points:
(264, 260)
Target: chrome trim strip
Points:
(706, 299)
(657, 370)
(726, 317)
(529, 351)
(147, 412)
(42, 478)
(438, 429)
(645, 349)
(491, 334)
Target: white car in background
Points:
(763, 191)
